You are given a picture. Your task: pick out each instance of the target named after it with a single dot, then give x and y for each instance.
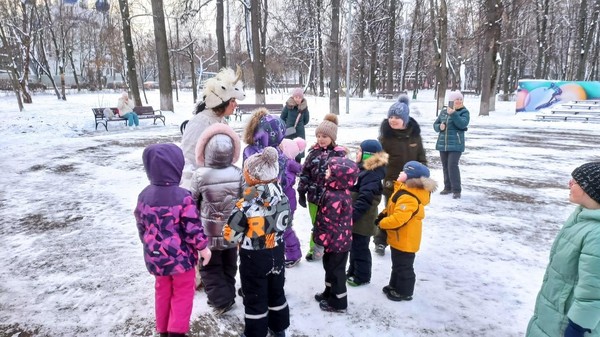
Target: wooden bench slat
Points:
(249, 108)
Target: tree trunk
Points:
(258, 50)
(162, 56)
(440, 45)
(129, 53)
(221, 54)
(542, 9)
(321, 60)
(13, 72)
(494, 10)
(334, 48)
(391, 37)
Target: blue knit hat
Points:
(400, 110)
(415, 170)
(587, 176)
(370, 146)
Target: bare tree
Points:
(129, 52)
(258, 14)
(222, 56)
(440, 46)
(493, 29)
(391, 38)
(334, 49)
(162, 56)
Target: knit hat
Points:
(587, 176)
(400, 110)
(454, 95)
(328, 126)
(369, 147)
(224, 86)
(262, 167)
(415, 170)
(292, 147)
(298, 92)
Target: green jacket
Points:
(571, 286)
(453, 137)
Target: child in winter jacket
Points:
(259, 221)
(264, 130)
(216, 186)
(291, 148)
(366, 196)
(171, 233)
(568, 304)
(312, 178)
(402, 220)
(333, 231)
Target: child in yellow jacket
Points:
(402, 220)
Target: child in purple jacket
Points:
(291, 148)
(171, 233)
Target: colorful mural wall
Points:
(533, 95)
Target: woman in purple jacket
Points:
(171, 233)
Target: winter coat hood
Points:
(218, 146)
(344, 173)
(264, 129)
(413, 129)
(379, 159)
(290, 103)
(163, 164)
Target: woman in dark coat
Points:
(295, 115)
(400, 137)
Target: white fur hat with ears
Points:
(224, 86)
(292, 147)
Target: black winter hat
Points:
(587, 176)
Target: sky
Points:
(74, 266)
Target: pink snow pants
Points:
(173, 300)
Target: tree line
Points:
(390, 46)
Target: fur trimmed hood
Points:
(218, 146)
(290, 103)
(264, 129)
(424, 183)
(379, 159)
(413, 129)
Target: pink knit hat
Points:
(292, 147)
(298, 92)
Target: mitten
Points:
(318, 252)
(379, 218)
(574, 330)
(205, 255)
(302, 200)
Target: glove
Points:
(379, 218)
(302, 200)
(205, 255)
(574, 330)
(318, 252)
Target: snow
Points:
(74, 262)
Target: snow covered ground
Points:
(73, 262)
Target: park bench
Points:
(389, 94)
(249, 108)
(143, 112)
